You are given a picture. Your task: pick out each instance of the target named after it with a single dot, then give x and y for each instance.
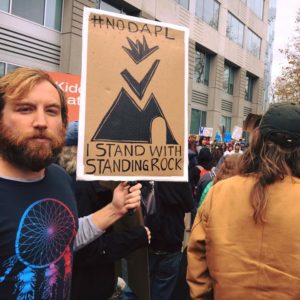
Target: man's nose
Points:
(40, 119)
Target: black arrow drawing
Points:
(139, 88)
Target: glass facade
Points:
(208, 11)
(201, 68)
(29, 9)
(235, 30)
(120, 7)
(226, 122)
(4, 5)
(105, 6)
(184, 3)
(253, 43)
(2, 69)
(45, 12)
(198, 119)
(228, 79)
(249, 87)
(10, 68)
(257, 6)
(54, 14)
(6, 68)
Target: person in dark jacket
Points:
(93, 266)
(173, 200)
(165, 219)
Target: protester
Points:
(244, 243)
(166, 223)
(237, 148)
(204, 164)
(38, 216)
(228, 168)
(94, 264)
(192, 153)
(217, 159)
(229, 149)
(167, 229)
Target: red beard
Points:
(26, 152)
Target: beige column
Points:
(215, 91)
(257, 99)
(238, 98)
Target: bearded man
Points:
(39, 227)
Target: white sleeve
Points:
(87, 232)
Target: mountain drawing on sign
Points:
(125, 121)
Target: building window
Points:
(6, 68)
(257, 6)
(2, 69)
(253, 43)
(29, 9)
(45, 12)
(4, 5)
(208, 11)
(246, 136)
(249, 87)
(235, 30)
(226, 122)
(184, 3)
(198, 120)
(105, 6)
(53, 14)
(228, 79)
(121, 7)
(202, 66)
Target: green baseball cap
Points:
(281, 124)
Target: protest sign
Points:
(237, 133)
(206, 131)
(133, 109)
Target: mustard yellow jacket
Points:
(231, 257)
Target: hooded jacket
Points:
(174, 199)
(231, 257)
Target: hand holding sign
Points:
(126, 198)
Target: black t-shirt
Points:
(38, 224)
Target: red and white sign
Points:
(70, 84)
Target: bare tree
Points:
(287, 85)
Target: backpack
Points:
(203, 181)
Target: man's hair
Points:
(18, 84)
(268, 162)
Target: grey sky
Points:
(284, 30)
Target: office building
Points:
(227, 47)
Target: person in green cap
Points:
(245, 239)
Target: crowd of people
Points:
(57, 238)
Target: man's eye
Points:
(53, 111)
(24, 109)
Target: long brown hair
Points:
(269, 163)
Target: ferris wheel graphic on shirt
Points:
(45, 233)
